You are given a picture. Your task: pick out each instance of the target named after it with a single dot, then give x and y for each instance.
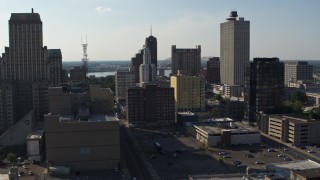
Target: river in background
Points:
(104, 74)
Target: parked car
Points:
(285, 149)
(311, 151)
(303, 147)
(222, 153)
(252, 151)
(31, 173)
(281, 155)
(249, 155)
(236, 163)
(259, 162)
(271, 150)
(226, 156)
(287, 159)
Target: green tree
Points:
(11, 157)
(218, 97)
(299, 96)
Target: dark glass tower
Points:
(264, 87)
(151, 43)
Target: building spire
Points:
(151, 31)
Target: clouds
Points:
(103, 9)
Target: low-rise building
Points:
(226, 133)
(82, 143)
(307, 174)
(294, 129)
(35, 145)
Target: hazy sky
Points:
(116, 29)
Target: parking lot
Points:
(179, 156)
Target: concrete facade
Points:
(234, 49)
(299, 131)
(102, 99)
(297, 70)
(91, 144)
(123, 79)
(189, 92)
(213, 135)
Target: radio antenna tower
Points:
(85, 57)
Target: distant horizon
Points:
(116, 30)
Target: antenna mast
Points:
(85, 57)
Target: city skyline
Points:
(117, 29)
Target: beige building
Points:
(90, 143)
(234, 49)
(226, 133)
(123, 79)
(294, 129)
(59, 101)
(189, 92)
(102, 99)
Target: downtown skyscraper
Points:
(148, 71)
(234, 49)
(24, 70)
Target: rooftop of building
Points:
(284, 168)
(295, 118)
(218, 126)
(25, 17)
(54, 52)
(35, 135)
(187, 113)
(310, 173)
(87, 118)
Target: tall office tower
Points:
(188, 61)
(24, 67)
(151, 43)
(264, 87)
(189, 92)
(150, 105)
(234, 49)
(213, 70)
(148, 71)
(25, 58)
(123, 80)
(55, 66)
(297, 70)
(135, 65)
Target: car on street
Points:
(259, 163)
(311, 151)
(31, 173)
(281, 155)
(287, 159)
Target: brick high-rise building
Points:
(213, 70)
(234, 49)
(188, 61)
(150, 105)
(264, 87)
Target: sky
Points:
(116, 29)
